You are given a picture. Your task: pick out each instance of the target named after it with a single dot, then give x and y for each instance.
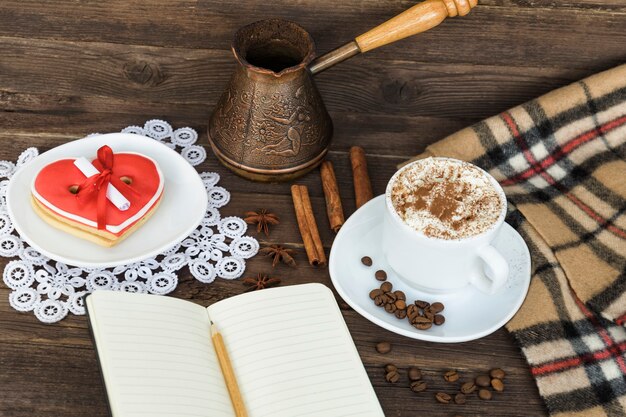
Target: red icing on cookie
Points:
(54, 181)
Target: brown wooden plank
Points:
(380, 134)
(178, 76)
(533, 27)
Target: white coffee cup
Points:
(443, 265)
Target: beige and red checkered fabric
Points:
(561, 160)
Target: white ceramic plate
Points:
(182, 207)
(470, 314)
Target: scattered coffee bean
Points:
(497, 373)
(468, 387)
(401, 314)
(390, 367)
(460, 398)
(443, 398)
(436, 307)
(483, 381)
(375, 293)
(383, 347)
(421, 323)
(414, 373)
(497, 385)
(390, 308)
(421, 314)
(418, 386)
(484, 394)
(380, 275)
(451, 376)
(392, 377)
(412, 311)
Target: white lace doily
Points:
(51, 290)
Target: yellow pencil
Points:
(229, 374)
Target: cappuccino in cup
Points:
(441, 216)
(446, 199)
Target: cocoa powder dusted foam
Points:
(446, 199)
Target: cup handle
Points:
(495, 271)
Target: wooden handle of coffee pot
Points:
(419, 18)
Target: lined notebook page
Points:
(157, 357)
(293, 355)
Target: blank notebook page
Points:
(293, 355)
(157, 357)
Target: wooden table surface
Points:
(69, 68)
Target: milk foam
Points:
(446, 199)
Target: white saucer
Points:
(182, 207)
(470, 314)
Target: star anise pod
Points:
(262, 218)
(279, 253)
(260, 282)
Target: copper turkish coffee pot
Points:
(271, 124)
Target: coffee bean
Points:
(390, 308)
(380, 275)
(497, 373)
(468, 387)
(484, 394)
(460, 398)
(418, 386)
(497, 384)
(383, 347)
(366, 260)
(375, 293)
(390, 367)
(391, 297)
(421, 323)
(400, 304)
(429, 315)
(439, 319)
(392, 377)
(412, 311)
(379, 300)
(436, 307)
(401, 314)
(414, 373)
(421, 304)
(443, 398)
(451, 376)
(483, 381)
(386, 286)
(400, 295)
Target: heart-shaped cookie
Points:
(54, 198)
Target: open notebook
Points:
(290, 349)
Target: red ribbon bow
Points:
(96, 185)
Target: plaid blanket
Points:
(561, 160)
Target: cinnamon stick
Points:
(307, 225)
(334, 209)
(362, 185)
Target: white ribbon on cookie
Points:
(113, 194)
